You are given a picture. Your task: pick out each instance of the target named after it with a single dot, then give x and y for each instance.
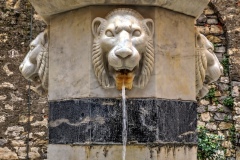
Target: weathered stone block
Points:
(224, 79)
(6, 153)
(237, 119)
(2, 118)
(212, 21)
(234, 70)
(216, 29)
(201, 109)
(211, 126)
(237, 109)
(205, 116)
(225, 125)
(214, 39)
(202, 19)
(223, 87)
(223, 108)
(18, 143)
(208, 11)
(235, 91)
(204, 30)
(201, 124)
(114, 152)
(221, 116)
(221, 49)
(2, 142)
(204, 102)
(212, 108)
(14, 130)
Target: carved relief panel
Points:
(122, 51)
(35, 65)
(208, 67)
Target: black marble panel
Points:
(69, 122)
(99, 120)
(142, 120)
(106, 117)
(176, 121)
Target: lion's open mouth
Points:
(124, 77)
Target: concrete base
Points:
(114, 152)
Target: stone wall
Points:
(229, 12)
(15, 24)
(219, 110)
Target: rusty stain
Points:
(168, 149)
(112, 152)
(125, 79)
(105, 151)
(151, 153)
(174, 151)
(158, 152)
(185, 150)
(88, 151)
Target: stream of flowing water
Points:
(124, 131)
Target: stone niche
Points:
(71, 73)
(85, 120)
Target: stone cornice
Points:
(47, 8)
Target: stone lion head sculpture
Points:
(123, 51)
(208, 67)
(35, 65)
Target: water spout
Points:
(124, 131)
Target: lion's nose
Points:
(123, 52)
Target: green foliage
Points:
(211, 94)
(215, 100)
(228, 102)
(209, 146)
(232, 134)
(226, 118)
(225, 64)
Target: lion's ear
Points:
(198, 40)
(150, 26)
(96, 26)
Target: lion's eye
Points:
(210, 50)
(136, 33)
(109, 33)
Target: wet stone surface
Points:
(99, 120)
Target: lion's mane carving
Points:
(35, 65)
(123, 49)
(208, 68)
